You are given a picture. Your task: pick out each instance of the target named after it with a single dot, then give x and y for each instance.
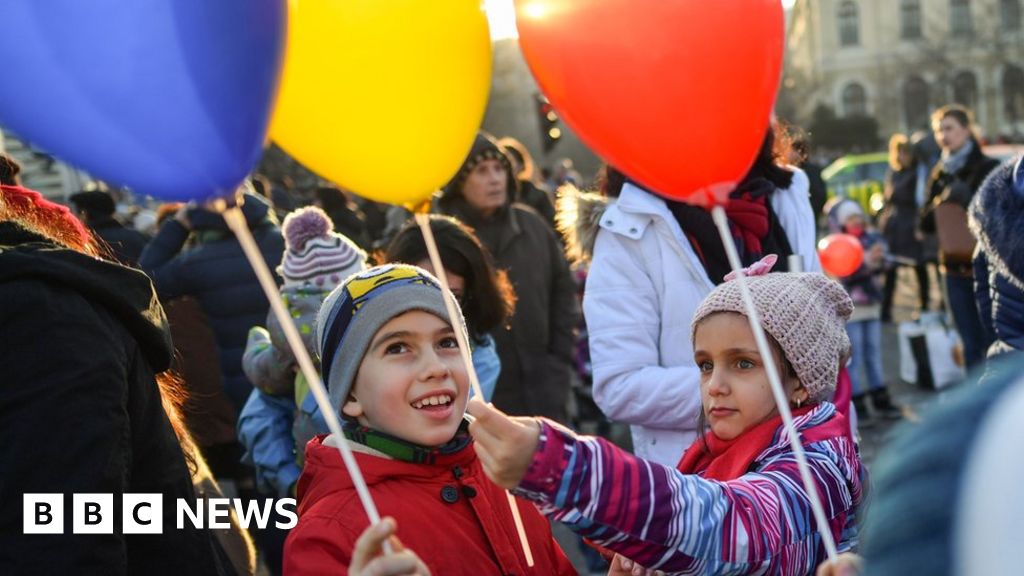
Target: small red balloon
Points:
(677, 94)
(840, 254)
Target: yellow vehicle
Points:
(859, 177)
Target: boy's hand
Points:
(367, 558)
(504, 444)
(622, 566)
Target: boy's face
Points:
(411, 383)
(734, 385)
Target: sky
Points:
(502, 17)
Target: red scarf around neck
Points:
(730, 459)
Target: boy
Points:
(392, 367)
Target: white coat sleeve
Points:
(622, 311)
(793, 209)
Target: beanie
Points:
(845, 210)
(485, 147)
(806, 313)
(353, 313)
(314, 253)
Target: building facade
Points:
(897, 60)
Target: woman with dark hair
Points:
(953, 182)
(653, 261)
(537, 347)
(84, 407)
(485, 294)
(898, 222)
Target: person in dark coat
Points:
(536, 350)
(995, 215)
(80, 407)
(216, 272)
(954, 180)
(899, 220)
(95, 209)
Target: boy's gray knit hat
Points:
(353, 312)
(806, 313)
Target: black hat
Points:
(95, 202)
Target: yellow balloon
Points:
(384, 97)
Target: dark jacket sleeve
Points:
(64, 424)
(163, 263)
(564, 312)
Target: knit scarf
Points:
(402, 449)
(955, 161)
(716, 459)
(752, 222)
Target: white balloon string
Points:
(423, 220)
(718, 214)
(236, 222)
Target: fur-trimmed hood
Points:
(994, 216)
(578, 217)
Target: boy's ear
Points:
(352, 408)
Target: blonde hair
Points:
(898, 143)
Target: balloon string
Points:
(423, 220)
(236, 222)
(781, 401)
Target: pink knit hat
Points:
(315, 254)
(805, 313)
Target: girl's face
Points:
(734, 385)
(412, 383)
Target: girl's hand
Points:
(368, 558)
(622, 566)
(846, 564)
(505, 445)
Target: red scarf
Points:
(730, 459)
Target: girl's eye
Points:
(745, 364)
(449, 343)
(705, 366)
(396, 348)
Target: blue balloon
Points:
(169, 97)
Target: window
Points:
(960, 18)
(915, 103)
(849, 24)
(910, 19)
(1009, 10)
(854, 100)
(965, 89)
(1013, 93)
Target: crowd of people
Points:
(152, 364)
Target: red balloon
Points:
(675, 93)
(840, 254)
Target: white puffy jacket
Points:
(645, 283)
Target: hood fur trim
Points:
(578, 217)
(994, 216)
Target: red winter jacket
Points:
(448, 512)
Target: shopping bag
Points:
(931, 353)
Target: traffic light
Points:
(550, 133)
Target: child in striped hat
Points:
(316, 260)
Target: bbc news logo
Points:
(143, 513)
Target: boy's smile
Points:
(411, 383)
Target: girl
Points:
(735, 504)
(485, 294)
